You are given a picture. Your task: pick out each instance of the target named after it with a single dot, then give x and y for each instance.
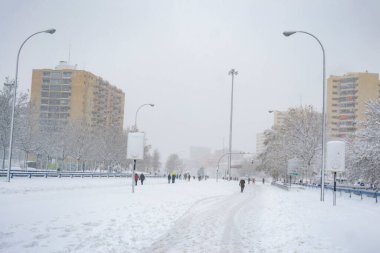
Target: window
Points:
(55, 88)
(67, 74)
(56, 75)
(54, 102)
(64, 102)
(65, 88)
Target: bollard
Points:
(361, 195)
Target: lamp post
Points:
(233, 73)
(217, 170)
(51, 31)
(287, 34)
(141, 106)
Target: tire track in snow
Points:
(208, 226)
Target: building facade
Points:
(260, 143)
(346, 101)
(65, 94)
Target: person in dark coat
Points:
(142, 178)
(242, 184)
(136, 178)
(169, 178)
(173, 179)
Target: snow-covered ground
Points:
(102, 215)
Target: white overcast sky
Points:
(177, 54)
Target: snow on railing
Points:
(360, 192)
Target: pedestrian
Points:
(242, 184)
(249, 180)
(263, 180)
(136, 178)
(142, 178)
(169, 178)
(173, 179)
(188, 178)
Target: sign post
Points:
(335, 160)
(294, 166)
(135, 151)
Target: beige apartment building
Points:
(279, 118)
(66, 94)
(346, 101)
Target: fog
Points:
(177, 54)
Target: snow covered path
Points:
(101, 215)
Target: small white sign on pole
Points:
(335, 160)
(135, 148)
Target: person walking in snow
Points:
(263, 180)
(173, 179)
(242, 184)
(136, 178)
(142, 178)
(169, 178)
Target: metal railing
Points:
(59, 174)
(359, 192)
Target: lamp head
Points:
(151, 105)
(288, 33)
(51, 31)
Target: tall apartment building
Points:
(66, 94)
(278, 118)
(260, 142)
(346, 101)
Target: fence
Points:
(360, 192)
(59, 174)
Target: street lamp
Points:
(141, 106)
(51, 31)
(233, 73)
(229, 153)
(287, 34)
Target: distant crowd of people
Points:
(187, 177)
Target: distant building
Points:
(346, 101)
(260, 143)
(66, 94)
(279, 118)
